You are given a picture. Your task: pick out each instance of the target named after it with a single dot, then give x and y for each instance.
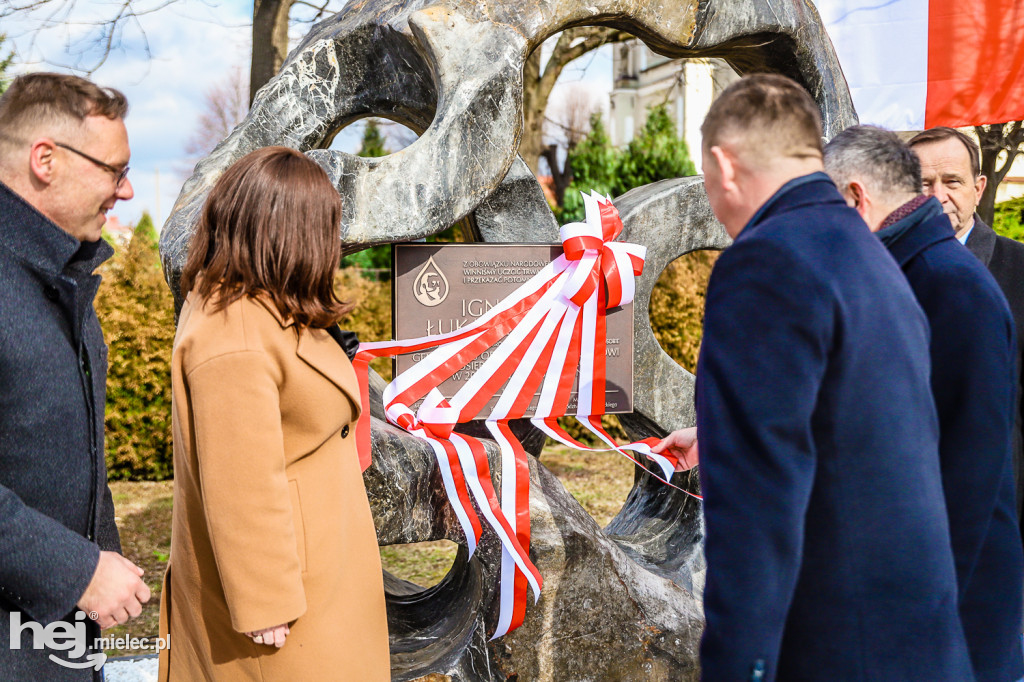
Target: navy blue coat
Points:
(827, 541)
(974, 356)
(1004, 258)
(56, 512)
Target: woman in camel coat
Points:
(274, 571)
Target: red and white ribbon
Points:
(544, 334)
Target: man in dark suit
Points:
(973, 354)
(951, 172)
(63, 160)
(827, 542)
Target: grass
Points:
(600, 481)
(143, 512)
(423, 563)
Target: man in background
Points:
(827, 541)
(973, 353)
(951, 172)
(63, 164)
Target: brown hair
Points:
(943, 133)
(771, 114)
(55, 100)
(270, 227)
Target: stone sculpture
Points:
(621, 602)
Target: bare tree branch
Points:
(224, 107)
(538, 83)
(112, 22)
(107, 32)
(321, 10)
(573, 122)
(998, 142)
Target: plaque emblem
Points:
(441, 288)
(430, 286)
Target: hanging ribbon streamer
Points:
(541, 336)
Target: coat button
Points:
(51, 292)
(344, 431)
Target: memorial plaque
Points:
(438, 288)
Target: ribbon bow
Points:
(540, 340)
(593, 244)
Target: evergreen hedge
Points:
(1009, 219)
(136, 311)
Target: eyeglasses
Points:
(119, 173)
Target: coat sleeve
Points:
(767, 335)
(45, 566)
(973, 352)
(246, 503)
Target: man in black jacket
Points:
(973, 361)
(63, 160)
(951, 172)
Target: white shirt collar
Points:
(963, 239)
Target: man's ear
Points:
(857, 197)
(854, 194)
(980, 183)
(727, 165)
(42, 159)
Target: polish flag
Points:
(916, 64)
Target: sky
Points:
(193, 45)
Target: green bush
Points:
(656, 153)
(677, 306)
(137, 313)
(371, 319)
(5, 63)
(1009, 219)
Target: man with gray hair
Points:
(972, 349)
(63, 164)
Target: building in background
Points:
(643, 79)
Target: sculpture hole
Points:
(600, 481)
(677, 306)
(424, 564)
(390, 137)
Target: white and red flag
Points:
(916, 64)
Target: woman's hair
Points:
(270, 226)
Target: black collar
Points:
(981, 241)
(37, 240)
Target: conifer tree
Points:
(5, 63)
(373, 141)
(657, 153)
(375, 257)
(594, 165)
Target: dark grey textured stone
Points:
(620, 603)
